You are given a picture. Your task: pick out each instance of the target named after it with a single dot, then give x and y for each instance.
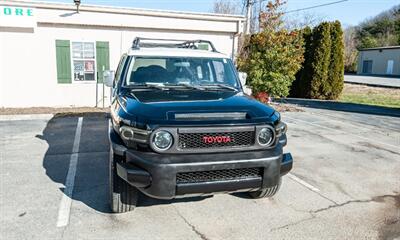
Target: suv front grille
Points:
(197, 140)
(218, 175)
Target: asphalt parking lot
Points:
(377, 81)
(345, 184)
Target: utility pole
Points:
(249, 7)
(260, 2)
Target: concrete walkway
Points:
(373, 81)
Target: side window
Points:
(119, 69)
(83, 58)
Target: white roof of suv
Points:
(174, 52)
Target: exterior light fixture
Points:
(77, 3)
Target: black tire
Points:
(266, 193)
(123, 197)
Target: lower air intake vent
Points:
(218, 175)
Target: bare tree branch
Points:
(227, 7)
(301, 20)
(350, 49)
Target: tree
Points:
(320, 61)
(301, 85)
(272, 57)
(302, 20)
(225, 7)
(367, 41)
(322, 72)
(380, 30)
(350, 50)
(397, 24)
(336, 65)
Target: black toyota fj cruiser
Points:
(181, 125)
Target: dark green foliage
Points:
(300, 87)
(272, 57)
(271, 61)
(367, 41)
(320, 61)
(322, 73)
(336, 65)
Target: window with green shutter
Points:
(63, 55)
(103, 59)
(83, 61)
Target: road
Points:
(373, 80)
(345, 184)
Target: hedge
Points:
(336, 66)
(320, 61)
(322, 72)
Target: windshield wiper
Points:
(187, 85)
(221, 86)
(159, 86)
(162, 86)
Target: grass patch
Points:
(386, 97)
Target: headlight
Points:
(265, 137)
(162, 140)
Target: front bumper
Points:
(155, 174)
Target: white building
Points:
(52, 56)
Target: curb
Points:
(342, 106)
(372, 84)
(26, 117)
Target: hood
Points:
(193, 107)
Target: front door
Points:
(367, 67)
(389, 69)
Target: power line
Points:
(316, 6)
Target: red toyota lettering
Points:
(216, 139)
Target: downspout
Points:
(234, 38)
(233, 47)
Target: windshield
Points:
(181, 71)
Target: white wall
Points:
(28, 74)
(135, 21)
(2, 77)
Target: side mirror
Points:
(108, 77)
(242, 78)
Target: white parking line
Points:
(341, 131)
(305, 184)
(66, 201)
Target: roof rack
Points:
(171, 43)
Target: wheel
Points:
(268, 192)
(123, 197)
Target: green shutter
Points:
(63, 54)
(103, 59)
